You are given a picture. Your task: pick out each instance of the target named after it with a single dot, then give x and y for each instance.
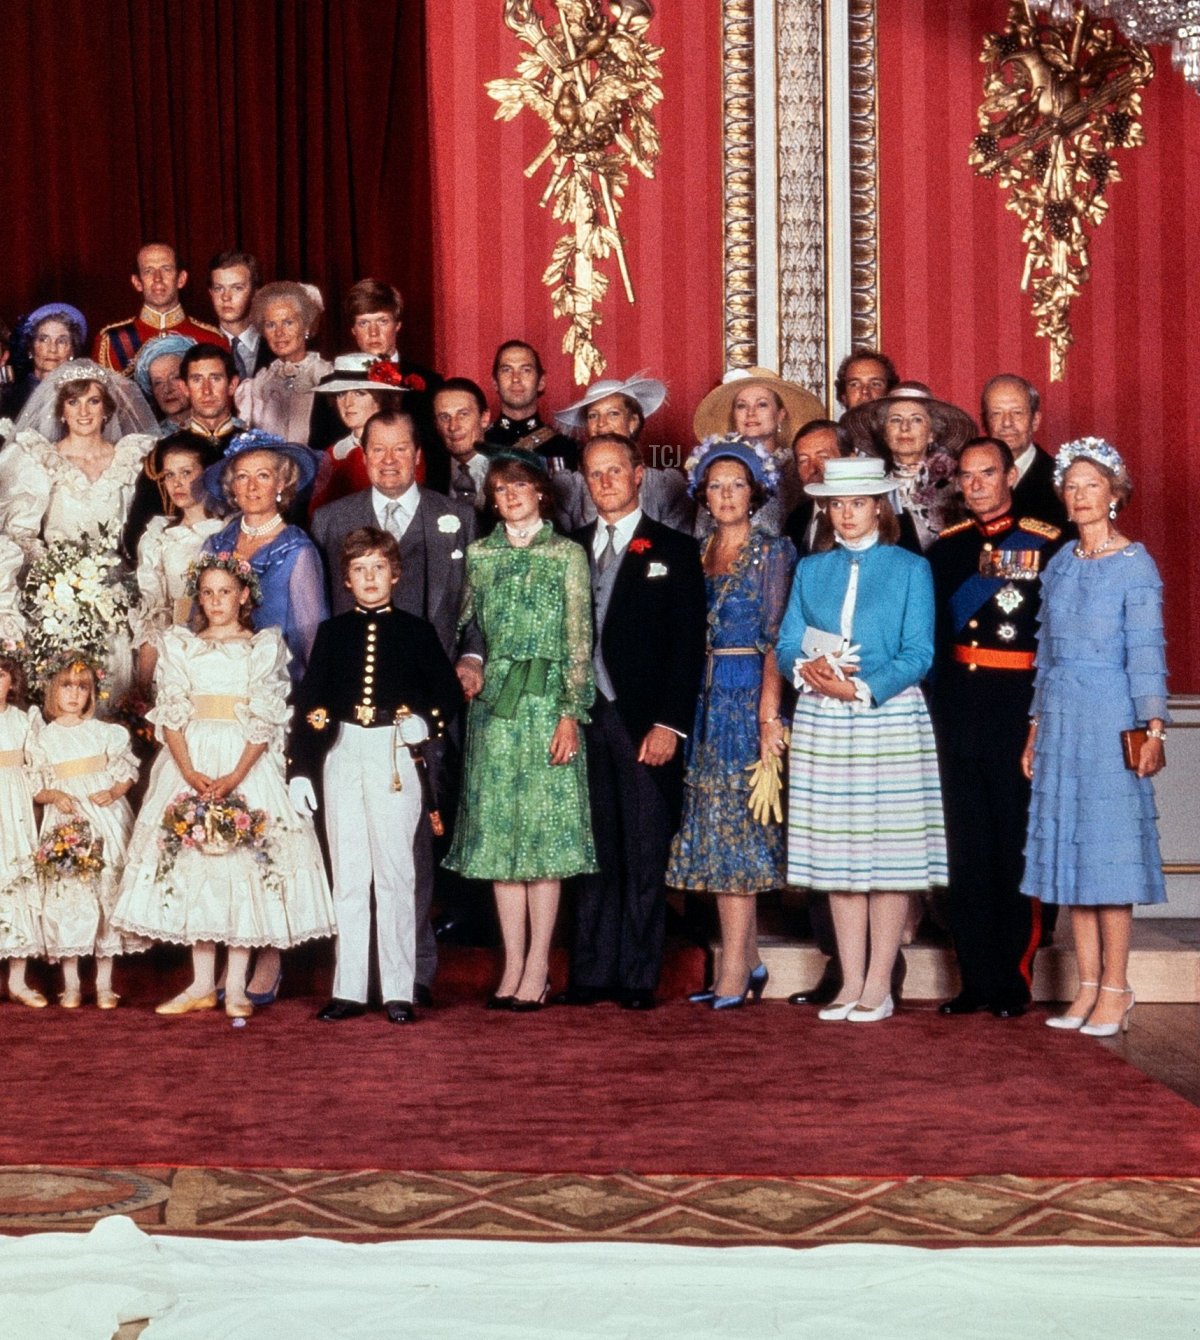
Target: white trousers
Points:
(371, 829)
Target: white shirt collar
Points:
(1025, 460)
(408, 501)
(621, 537)
(248, 339)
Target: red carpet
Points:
(765, 1090)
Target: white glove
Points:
(412, 730)
(302, 796)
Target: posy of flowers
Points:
(213, 827)
(69, 848)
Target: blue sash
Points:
(977, 590)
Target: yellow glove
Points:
(766, 790)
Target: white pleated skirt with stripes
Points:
(865, 801)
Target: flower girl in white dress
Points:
(219, 856)
(83, 768)
(20, 899)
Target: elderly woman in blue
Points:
(1101, 670)
(865, 806)
(260, 474)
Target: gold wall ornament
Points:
(1058, 100)
(593, 78)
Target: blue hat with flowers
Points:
(756, 458)
(256, 439)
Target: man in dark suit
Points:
(818, 441)
(1011, 411)
(233, 280)
(433, 533)
(650, 614)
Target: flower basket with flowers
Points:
(211, 828)
(69, 850)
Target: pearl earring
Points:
(1112, 511)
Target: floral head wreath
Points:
(1094, 449)
(224, 562)
(732, 446)
(13, 649)
(386, 373)
(71, 658)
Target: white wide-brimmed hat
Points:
(649, 393)
(714, 414)
(852, 477)
(352, 372)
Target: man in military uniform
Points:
(158, 277)
(520, 380)
(378, 684)
(987, 586)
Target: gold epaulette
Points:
(1036, 527)
(191, 320)
(956, 529)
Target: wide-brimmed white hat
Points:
(714, 414)
(649, 393)
(352, 372)
(852, 477)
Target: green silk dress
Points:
(519, 816)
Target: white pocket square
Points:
(656, 570)
(456, 553)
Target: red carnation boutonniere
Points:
(639, 546)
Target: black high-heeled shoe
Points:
(520, 1006)
(499, 1002)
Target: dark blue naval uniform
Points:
(987, 587)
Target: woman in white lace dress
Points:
(169, 545)
(221, 711)
(71, 468)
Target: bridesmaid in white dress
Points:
(82, 768)
(71, 467)
(168, 547)
(222, 712)
(20, 899)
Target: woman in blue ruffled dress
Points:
(260, 475)
(721, 847)
(1101, 670)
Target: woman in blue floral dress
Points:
(720, 847)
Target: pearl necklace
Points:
(517, 533)
(1081, 552)
(256, 532)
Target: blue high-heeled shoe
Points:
(261, 998)
(702, 997)
(755, 985)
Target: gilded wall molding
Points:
(738, 245)
(800, 265)
(864, 176)
(799, 80)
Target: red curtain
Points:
(294, 129)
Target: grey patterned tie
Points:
(393, 520)
(609, 552)
(239, 357)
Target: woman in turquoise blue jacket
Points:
(865, 805)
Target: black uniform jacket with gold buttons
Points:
(365, 667)
(987, 588)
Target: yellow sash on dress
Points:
(79, 767)
(11, 758)
(216, 706)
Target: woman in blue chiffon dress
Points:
(1101, 669)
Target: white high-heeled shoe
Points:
(882, 1011)
(1121, 1025)
(836, 1013)
(1072, 1020)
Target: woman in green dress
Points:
(523, 819)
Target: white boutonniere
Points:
(656, 570)
(456, 553)
(449, 523)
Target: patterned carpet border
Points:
(718, 1211)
